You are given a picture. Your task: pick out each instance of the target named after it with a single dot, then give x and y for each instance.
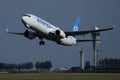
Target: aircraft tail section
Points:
(77, 24)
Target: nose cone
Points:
(23, 18)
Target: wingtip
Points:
(6, 29)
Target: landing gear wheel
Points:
(42, 43)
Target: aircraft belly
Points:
(52, 37)
(49, 36)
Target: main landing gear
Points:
(42, 42)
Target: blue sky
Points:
(61, 13)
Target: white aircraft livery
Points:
(44, 30)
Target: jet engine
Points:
(60, 33)
(69, 41)
(29, 34)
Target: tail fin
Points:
(77, 24)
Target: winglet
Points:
(77, 24)
(6, 28)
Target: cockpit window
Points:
(27, 15)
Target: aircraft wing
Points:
(7, 31)
(25, 33)
(86, 32)
(28, 34)
(15, 33)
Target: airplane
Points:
(37, 27)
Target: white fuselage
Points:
(47, 30)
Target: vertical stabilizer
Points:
(77, 24)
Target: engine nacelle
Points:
(60, 33)
(69, 41)
(29, 35)
(57, 32)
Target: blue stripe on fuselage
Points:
(43, 22)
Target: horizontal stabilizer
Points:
(86, 40)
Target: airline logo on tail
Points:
(77, 24)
